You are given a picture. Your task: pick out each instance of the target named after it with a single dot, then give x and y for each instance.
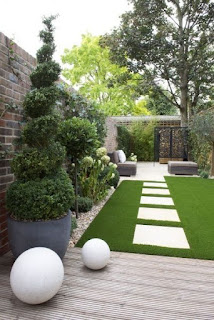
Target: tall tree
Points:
(89, 68)
(158, 104)
(170, 42)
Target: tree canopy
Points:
(170, 43)
(89, 68)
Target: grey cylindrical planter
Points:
(52, 234)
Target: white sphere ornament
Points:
(95, 254)
(36, 275)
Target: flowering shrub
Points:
(132, 157)
(89, 177)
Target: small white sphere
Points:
(95, 254)
(36, 275)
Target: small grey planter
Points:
(52, 234)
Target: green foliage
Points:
(138, 139)
(200, 150)
(40, 199)
(45, 53)
(113, 182)
(79, 137)
(84, 204)
(43, 190)
(77, 106)
(39, 131)
(203, 125)
(204, 174)
(89, 176)
(140, 108)
(112, 87)
(35, 163)
(40, 102)
(124, 140)
(132, 157)
(169, 42)
(45, 74)
(143, 140)
(202, 138)
(158, 104)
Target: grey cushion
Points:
(115, 157)
(182, 164)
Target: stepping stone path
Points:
(155, 191)
(158, 214)
(155, 235)
(162, 201)
(154, 184)
(170, 237)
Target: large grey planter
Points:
(52, 234)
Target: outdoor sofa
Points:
(126, 168)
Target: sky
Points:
(21, 20)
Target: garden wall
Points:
(15, 68)
(113, 122)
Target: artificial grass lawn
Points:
(194, 202)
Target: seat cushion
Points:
(115, 157)
(182, 164)
(128, 164)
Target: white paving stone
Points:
(158, 214)
(155, 191)
(171, 237)
(165, 201)
(155, 184)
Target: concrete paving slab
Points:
(158, 214)
(165, 201)
(155, 191)
(171, 237)
(155, 184)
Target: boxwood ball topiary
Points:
(36, 275)
(84, 203)
(40, 199)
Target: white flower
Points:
(113, 175)
(101, 152)
(105, 159)
(87, 161)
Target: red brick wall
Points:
(15, 68)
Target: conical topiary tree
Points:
(43, 190)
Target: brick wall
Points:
(15, 68)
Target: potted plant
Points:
(40, 198)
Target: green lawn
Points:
(194, 201)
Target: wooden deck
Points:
(132, 286)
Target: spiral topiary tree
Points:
(43, 190)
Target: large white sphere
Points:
(95, 254)
(36, 275)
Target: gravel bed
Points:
(86, 218)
